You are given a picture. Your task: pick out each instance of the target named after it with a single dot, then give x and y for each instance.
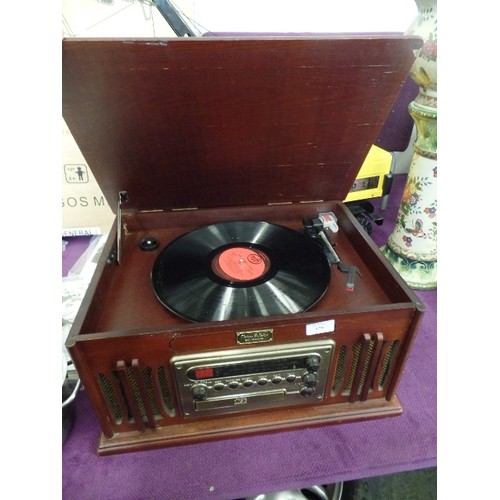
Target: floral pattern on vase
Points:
(412, 246)
(417, 218)
(424, 70)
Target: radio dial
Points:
(312, 363)
(199, 392)
(309, 379)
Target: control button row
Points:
(199, 392)
(249, 382)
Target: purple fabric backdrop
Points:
(236, 468)
(75, 246)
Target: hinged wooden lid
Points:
(217, 122)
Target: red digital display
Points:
(200, 373)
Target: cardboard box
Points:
(85, 210)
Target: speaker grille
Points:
(339, 372)
(387, 363)
(110, 397)
(137, 396)
(363, 368)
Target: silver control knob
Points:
(313, 363)
(310, 379)
(199, 392)
(307, 391)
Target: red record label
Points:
(240, 264)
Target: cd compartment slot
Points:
(240, 400)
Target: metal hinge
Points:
(122, 198)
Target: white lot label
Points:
(321, 327)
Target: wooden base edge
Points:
(242, 425)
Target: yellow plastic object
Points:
(370, 181)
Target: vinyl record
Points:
(240, 269)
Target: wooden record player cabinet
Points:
(180, 133)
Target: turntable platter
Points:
(240, 269)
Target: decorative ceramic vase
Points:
(412, 246)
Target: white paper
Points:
(320, 327)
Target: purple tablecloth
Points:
(75, 246)
(236, 468)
